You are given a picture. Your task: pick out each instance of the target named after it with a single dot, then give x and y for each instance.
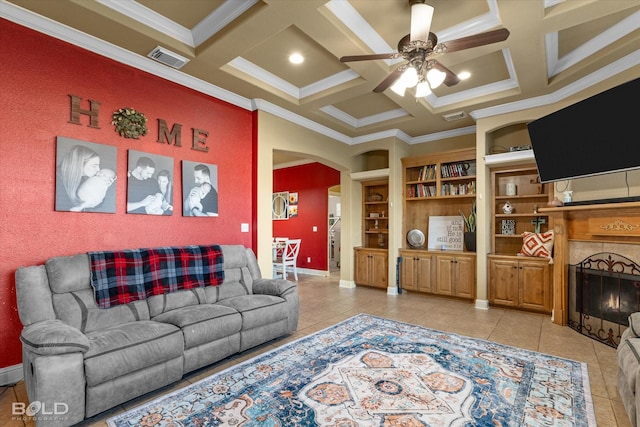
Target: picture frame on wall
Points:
(85, 176)
(149, 184)
(280, 205)
(199, 189)
(293, 205)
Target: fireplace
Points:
(604, 289)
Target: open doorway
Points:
(334, 229)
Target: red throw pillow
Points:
(537, 244)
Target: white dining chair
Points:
(278, 244)
(289, 259)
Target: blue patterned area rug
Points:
(371, 371)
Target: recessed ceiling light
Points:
(464, 75)
(296, 58)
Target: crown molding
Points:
(557, 65)
(617, 67)
(364, 121)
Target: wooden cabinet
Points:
(437, 185)
(375, 211)
(416, 271)
(371, 267)
(520, 283)
(440, 273)
(515, 281)
(456, 275)
(371, 260)
(440, 184)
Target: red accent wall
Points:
(311, 182)
(37, 75)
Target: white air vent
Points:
(455, 116)
(167, 57)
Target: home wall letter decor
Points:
(92, 112)
(166, 136)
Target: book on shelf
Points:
(422, 190)
(457, 169)
(427, 173)
(462, 189)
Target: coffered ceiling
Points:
(237, 50)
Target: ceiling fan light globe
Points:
(410, 77)
(398, 87)
(421, 16)
(435, 77)
(422, 89)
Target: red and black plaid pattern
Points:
(120, 277)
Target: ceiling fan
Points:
(418, 48)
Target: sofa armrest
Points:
(277, 287)
(53, 337)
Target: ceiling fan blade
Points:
(369, 57)
(421, 16)
(452, 79)
(477, 40)
(389, 80)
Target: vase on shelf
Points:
(470, 240)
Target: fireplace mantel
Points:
(609, 223)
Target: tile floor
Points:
(323, 303)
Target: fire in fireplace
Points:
(604, 289)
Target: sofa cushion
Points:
(257, 310)
(159, 304)
(203, 323)
(68, 273)
(129, 347)
(79, 309)
(234, 256)
(235, 284)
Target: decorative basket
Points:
(375, 197)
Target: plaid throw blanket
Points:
(120, 277)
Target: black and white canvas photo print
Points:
(149, 184)
(199, 189)
(85, 176)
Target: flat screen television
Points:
(598, 135)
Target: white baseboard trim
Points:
(392, 291)
(482, 304)
(310, 272)
(347, 284)
(11, 374)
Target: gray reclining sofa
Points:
(91, 359)
(628, 355)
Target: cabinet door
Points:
(361, 273)
(378, 269)
(445, 274)
(503, 282)
(464, 278)
(535, 286)
(409, 279)
(423, 274)
(416, 273)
